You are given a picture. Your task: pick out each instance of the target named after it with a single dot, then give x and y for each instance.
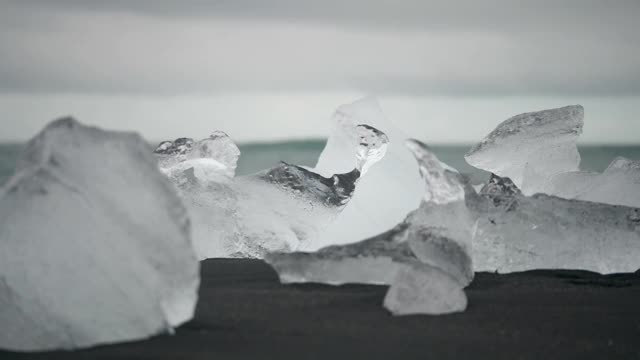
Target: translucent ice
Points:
(538, 152)
(619, 184)
(425, 259)
(275, 209)
(392, 182)
(218, 151)
(94, 243)
(531, 148)
(516, 233)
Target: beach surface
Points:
(245, 313)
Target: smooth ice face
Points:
(531, 148)
(425, 259)
(94, 243)
(619, 184)
(393, 182)
(517, 233)
(273, 210)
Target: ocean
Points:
(258, 156)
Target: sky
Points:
(446, 71)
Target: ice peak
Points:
(531, 148)
(65, 121)
(621, 163)
(178, 146)
(217, 151)
(442, 184)
(567, 119)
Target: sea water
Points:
(259, 156)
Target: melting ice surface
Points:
(516, 232)
(425, 259)
(392, 182)
(538, 152)
(531, 148)
(94, 243)
(273, 210)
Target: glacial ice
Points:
(94, 243)
(538, 152)
(531, 148)
(392, 182)
(516, 232)
(218, 150)
(619, 184)
(273, 210)
(425, 259)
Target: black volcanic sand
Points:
(245, 313)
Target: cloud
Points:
(386, 47)
(468, 14)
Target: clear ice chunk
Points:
(517, 233)
(218, 153)
(392, 182)
(276, 209)
(531, 148)
(619, 184)
(425, 259)
(94, 243)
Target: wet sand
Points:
(245, 313)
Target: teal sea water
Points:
(258, 156)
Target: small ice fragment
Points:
(425, 259)
(94, 243)
(531, 148)
(424, 290)
(273, 210)
(442, 182)
(497, 186)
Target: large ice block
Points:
(516, 232)
(425, 259)
(276, 209)
(94, 243)
(531, 148)
(392, 182)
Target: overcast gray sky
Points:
(446, 71)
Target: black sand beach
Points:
(245, 313)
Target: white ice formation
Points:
(516, 232)
(531, 148)
(94, 243)
(385, 195)
(425, 259)
(273, 210)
